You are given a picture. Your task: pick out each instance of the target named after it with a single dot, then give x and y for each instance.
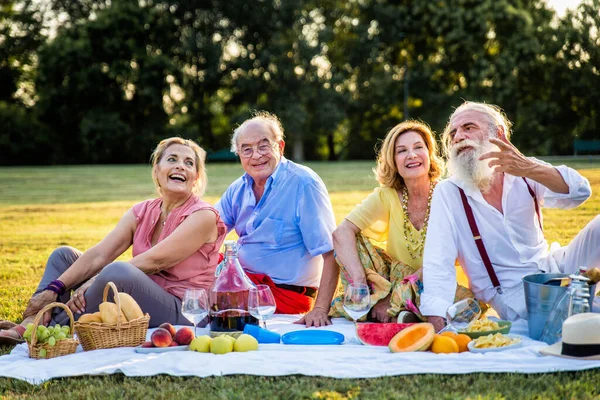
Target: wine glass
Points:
(194, 306)
(261, 303)
(460, 314)
(357, 300)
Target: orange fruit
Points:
(449, 334)
(444, 344)
(462, 341)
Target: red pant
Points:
(288, 302)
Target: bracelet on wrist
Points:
(57, 287)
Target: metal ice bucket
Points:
(540, 300)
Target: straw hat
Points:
(581, 338)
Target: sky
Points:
(561, 5)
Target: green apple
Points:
(245, 343)
(201, 344)
(221, 345)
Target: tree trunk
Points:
(298, 150)
(331, 147)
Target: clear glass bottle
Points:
(580, 302)
(228, 296)
(571, 302)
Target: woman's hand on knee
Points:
(379, 310)
(77, 301)
(438, 322)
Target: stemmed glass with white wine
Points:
(357, 300)
(194, 306)
(261, 303)
(460, 314)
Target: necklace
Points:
(415, 247)
(163, 217)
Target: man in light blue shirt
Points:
(282, 214)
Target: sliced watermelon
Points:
(378, 334)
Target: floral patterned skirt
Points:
(387, 276)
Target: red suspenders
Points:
(477, 237)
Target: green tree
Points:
(579, 70)
(119, 75)
(101, 85)
(23, 140)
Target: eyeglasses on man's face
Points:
(263, 149)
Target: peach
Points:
(169, 328)
(147, 344)
(184, 336)
(161, 338)
(173, 344)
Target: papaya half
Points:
(417, 337)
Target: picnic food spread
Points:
(398, 337)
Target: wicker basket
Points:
(96, 335)
(62, 347)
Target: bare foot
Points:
(7, 325)
(12, 336)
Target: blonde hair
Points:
(386, 171)
(201, 178)
(493, 115)
(269, 122)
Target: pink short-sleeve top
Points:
(195, 272)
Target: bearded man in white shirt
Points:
(505, 191)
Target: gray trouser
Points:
(153, 299)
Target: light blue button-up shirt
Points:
(285, 233)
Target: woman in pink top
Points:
(176, 240)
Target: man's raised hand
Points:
(508, 159)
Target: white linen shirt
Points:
(514, 241)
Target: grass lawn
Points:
(42, 208)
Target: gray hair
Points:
(269, 122)
(493, 114)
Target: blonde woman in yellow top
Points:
(394, 218)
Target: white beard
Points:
(468, 168)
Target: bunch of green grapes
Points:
(49, 335)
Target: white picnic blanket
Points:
(348, 360)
